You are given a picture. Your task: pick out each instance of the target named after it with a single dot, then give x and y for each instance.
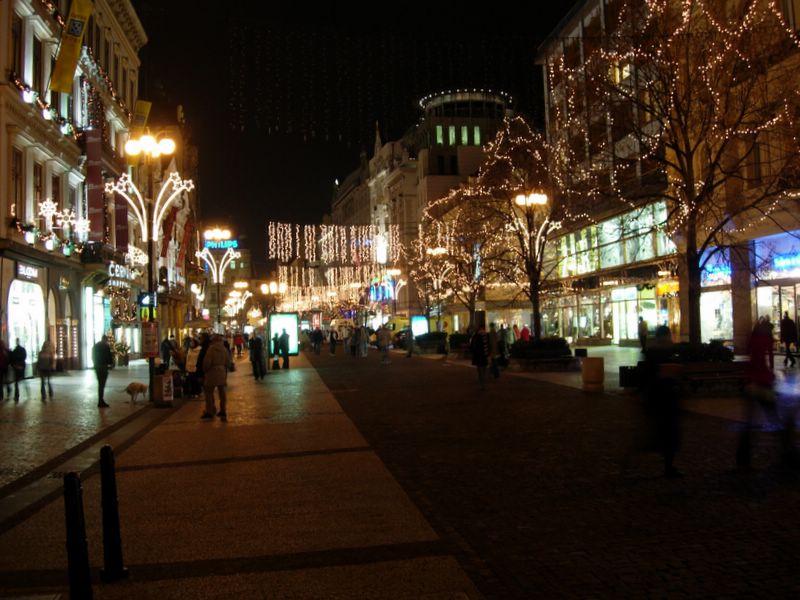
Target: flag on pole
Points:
(141, 112)
(70, 48)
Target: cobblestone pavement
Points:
(33, 431)
(540, 492)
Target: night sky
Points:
(281, 103)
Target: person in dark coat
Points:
(661, 398)
(479, 348)
(17, 359)
(276, 349)
(257, 357)
(103, 360)
(788, 337)
(4, 362)
(283, 344)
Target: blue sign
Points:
(221, 244)
(786, 262)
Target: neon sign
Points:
(786, 262)
(221, 244)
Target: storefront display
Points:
(26, 316)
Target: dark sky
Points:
(281, 102)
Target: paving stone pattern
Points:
(542, 491)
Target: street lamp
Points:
(217, 270)
(273, 289)
(150, 212)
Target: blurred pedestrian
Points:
(283, 346)
(216, 363)
(355, 335)
(525, 333)
(661, 399)
(103, 361)
(384, 340)
(515, 331)
(257, 357)
(333, 337)
(17, 359)
(788, 337)
(316, 340)
(46, 363)
(364, 341)
(4, 363)
(642, 330)
(238, 342)
(494, 350)
(479, 348)
(761, 393)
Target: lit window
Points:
(451, 135)
(476, 135)
(464, 135)
(439, 134)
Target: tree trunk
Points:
(693, 275)
(537, 318)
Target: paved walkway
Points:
(284, 500)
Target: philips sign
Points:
(221, 244)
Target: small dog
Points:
(135, 389)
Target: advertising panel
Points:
(278, 322)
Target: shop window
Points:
(26, 317)
(716, 315)
(464, 135)
(451, 135)
(610, 246)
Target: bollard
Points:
(114, 568)
(80, 577)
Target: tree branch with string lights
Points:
(690, 101)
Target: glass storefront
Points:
(716, 315)
(96, 320)
(26, 317)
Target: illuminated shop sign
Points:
(27, 272)
(120, 275)
(221, 244)
(786, 262)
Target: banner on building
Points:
(121, 223)
(94, 185)
(141, 112)
(169, 223)
(69, 50)
(187, 233)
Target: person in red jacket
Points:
(525, 334)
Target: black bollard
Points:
(80, 577)
(114, 568)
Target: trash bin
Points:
(162, 390)
(593, 373)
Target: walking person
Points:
(384, 339)
(103, 359)
(4, 362)
(788, 337)
(192, 356)
(479, 348)
(257, 357)
(283, 346)
(525, 333)
(276, 350)
(661, 391)
(17, 359)
(46, 364)
(332, 338)
(494, 350)
(642, 333)
(355, 334)
(216, 363)
(364, 341)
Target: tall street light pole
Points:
(150, 212)
(217, 270)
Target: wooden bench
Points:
(697, 374)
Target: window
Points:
(16, 45)
(754, 166)
(72, 199)
(55, 189)
(451, 135)
(37, 65)
(107, 54)
(38, 182)
(476, 135)
(440, 135)
(609, 234)
(88, 41)
(791, 12)
(116, 71)
(16, 182)
(464, 135)
(55, 97)
(124, 89)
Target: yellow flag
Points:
(70, 49)
(140, 114)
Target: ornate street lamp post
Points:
(150, 211)
(216, 269)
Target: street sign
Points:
(150, 342)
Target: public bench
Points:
(697, 374)
(550, 363)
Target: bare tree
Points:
(690, 101)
